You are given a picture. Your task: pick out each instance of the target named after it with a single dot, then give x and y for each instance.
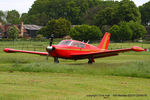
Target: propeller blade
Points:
(51, 40)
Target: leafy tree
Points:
(105, 17)
(145, 13)
(127, 11)
(59, 27)
(13, 32)
(99, 6)
(13, 17)
(43, 31)
(85, 32)
(88, 18)
(121, 33)
(105, 28)
(24, 18)
(39, 19)
(125, 32)
(2, 17)
(115, 33)
(72, 10)
(138, 30)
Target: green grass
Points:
(48, 86)
(131, 64)
(30, 77)
(137, 69)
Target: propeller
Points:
(50, 48)
(51, 39)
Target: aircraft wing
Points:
(104, 53)
(9, 50)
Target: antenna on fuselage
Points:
(83, 41)
(88, 42)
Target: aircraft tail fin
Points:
(105, 41)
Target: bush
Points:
(42, 31)
(115, 31)
(138, 30)
(85, 32)
(13, 32)
(127, 31)
(39, 37)
(121, 33)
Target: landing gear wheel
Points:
(56, 60)
(90, 61)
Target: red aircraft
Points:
(72, 49)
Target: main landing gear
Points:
(91, 60)
(56, 60)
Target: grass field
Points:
(31, 77)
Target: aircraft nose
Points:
(50, 48)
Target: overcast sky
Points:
(25, 5)
(138, 2)
(19, 5)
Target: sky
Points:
(23, 6)
(138, 2)
(19, 5)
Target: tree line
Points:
(9, 17)
(116, 17)
(91, 12)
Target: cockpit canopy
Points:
(64, 43)
(72, 44)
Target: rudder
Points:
(105, 41)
